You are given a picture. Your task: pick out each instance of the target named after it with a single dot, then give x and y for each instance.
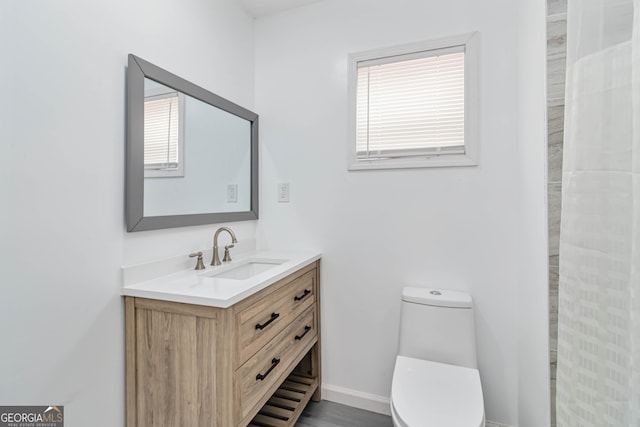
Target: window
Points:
(163, 132)
(414, 105)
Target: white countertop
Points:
(196, 287)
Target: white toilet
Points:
(435, 379)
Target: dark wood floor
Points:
(330, 414)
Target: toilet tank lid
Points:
(437, 297)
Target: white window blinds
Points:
(411, 105)
(161, 122)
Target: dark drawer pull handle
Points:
(306, 331)
(274, 316)
(274, 363)
(305, 293)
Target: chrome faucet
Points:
(227, 257)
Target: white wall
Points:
(455, 228)
(62, 238)
(533, 335)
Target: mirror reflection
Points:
(197, 158)
(192, 156)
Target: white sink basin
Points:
(244, 269)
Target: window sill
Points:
(414, 162)
(163, 173)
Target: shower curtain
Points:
(598, 377)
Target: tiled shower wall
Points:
(556, 67)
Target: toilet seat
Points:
(425, 393)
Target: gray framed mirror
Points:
(192, 156)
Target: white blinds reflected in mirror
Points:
(163, 131)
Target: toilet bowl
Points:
(435, 379)
(425, 393)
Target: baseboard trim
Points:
(369, 402)
(356, 399)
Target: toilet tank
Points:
(438, 325)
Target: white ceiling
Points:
(257, 8)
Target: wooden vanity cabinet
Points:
(256, 361)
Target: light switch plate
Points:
(283, 192)
(232, 193)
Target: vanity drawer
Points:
(262, 321)
(264, 370)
